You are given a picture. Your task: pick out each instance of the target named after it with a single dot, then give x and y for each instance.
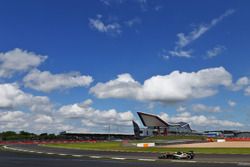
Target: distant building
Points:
(242, 134)
(98, 136)
(227, 134)
(154, 126)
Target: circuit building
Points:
(154, 126)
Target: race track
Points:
(199, 158)
(17, 159)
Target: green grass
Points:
(116, 146)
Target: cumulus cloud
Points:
(18, 60)
(11, 116)
(205, 108)
(200, 120)
(174, 87)
(33, 122)
(242, 83)
(185, 39)
(13, 120)
(46, 119)
(47, 82)
(93, 117)
(24, 111)
(122, 87)
(103, 27)
(215, 51)
(12, 97)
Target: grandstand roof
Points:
(150, 120)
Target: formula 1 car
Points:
(178, 155)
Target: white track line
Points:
(146, 159)
(95, 156)
(77, 155)
(184, 161)
(118, 158)
(63, 154)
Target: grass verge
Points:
(117, 146)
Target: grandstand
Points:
(154, 126)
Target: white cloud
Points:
(247, 91)
(164, 54)
(109, 28)
(181, 53)
(240, 84)
(243, 81)
(18, 60)
(32, 122)
(13, 120)
(122, 87)
(215, 51)
(11, 116)
(204, 108)
(12, 97)
(24, 111)
(185, 39)
(181, 109)
(200, 120)
(231, 103)
(174, 87)
(93, 117)
(47, 82)
(44, 119)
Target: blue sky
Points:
(84, 65)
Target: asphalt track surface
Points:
(23, 159)
(46, 156)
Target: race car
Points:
(178, 155)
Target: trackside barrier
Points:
(47, 142)
(221, 140)
(210, 140)
(145, 145)
(238, 139)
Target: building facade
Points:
(154, 126)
